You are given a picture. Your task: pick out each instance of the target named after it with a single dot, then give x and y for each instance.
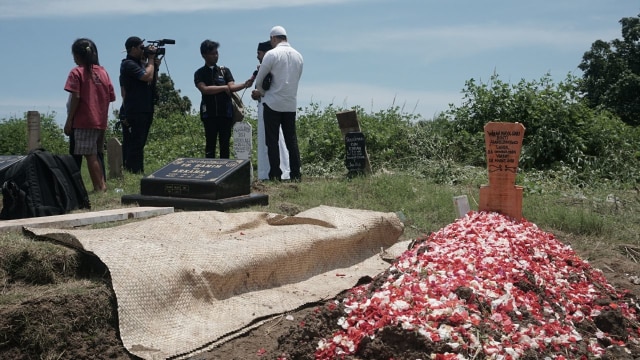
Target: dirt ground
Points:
(83, 324)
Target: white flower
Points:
(407, 325)
(323, 345)
(343, 323)
(366, 304)
(400, 305)
(445, 331)
(348, 308)
(488, 260)
(511, 351)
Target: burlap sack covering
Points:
(188, 281)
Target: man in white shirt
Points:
(280, 101)
(263, 159)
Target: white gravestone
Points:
(243, 142)
(462, 205)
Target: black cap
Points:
(264, 46)
(132, 42)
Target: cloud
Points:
(432, 44)
(75, 8)
(7, 102)
(376, 98)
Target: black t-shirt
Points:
(138, 93)
(218, 105)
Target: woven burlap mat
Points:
(187, 281)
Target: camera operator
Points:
(138, 74)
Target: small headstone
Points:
(33, 130)
(356, 152)
(242, 140)
(5, 163)
(461, 204)
(348, 122)
(503, 142)
(114, 156)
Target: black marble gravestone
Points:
(5, 163)
(356, 158)
(198, 183)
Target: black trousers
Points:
(273, 120)
(217, 128)
(134, 139)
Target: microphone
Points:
(255, 73)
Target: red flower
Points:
(483, 271)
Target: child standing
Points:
(90, 92)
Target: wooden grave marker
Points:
(33, 130)
(503, 142)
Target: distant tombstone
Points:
(356, 159)
(199, 183)
(243, 143)
(5, 163)
(461, 204)
(242, 140)
(114, 156)
(348, 122)
(503, 142)
(33, 130)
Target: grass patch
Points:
(27, 261)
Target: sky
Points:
(414, 54)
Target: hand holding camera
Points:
(156, 47)
(150, 52)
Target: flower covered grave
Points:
(486, 287)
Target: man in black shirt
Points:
(138, 72)
(216, 83)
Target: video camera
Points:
(160, 50)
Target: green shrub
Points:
(13, 132)
(561, 130)
(573, 144)
(387, 136)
